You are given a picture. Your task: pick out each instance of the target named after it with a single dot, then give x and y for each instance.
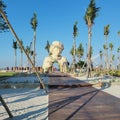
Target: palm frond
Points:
(34, 21)
(106, 29)
(91, 13)
(75, 29)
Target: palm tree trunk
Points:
(107, 62)
(104, 58)
(111, 61)
(74, 53)
(21, 60)
(101, 62)
(119, 60)
(34, 47)
(74, 48)
(15, 59)
(118, 65)
(89, 53)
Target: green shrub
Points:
(115, 73)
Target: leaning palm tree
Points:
(3, 28)
(106, 32)
(15, 53)
(111, 48)
(3, 25)
(75, 33)
(89, 17)
(34, 24)
(42, 85)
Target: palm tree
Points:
(80, 51)
(47, 47)
(111, 48)
(91, 51)
(118, 51)
(21, 51)
(113, 58)
(75, 33)
(15, 53)
(31, 53)
(28, 53)
(106, 32)
(104, 47)
(42, 85)
(3, 25)
(119, 32)
(101, 58)
(89, 17)
(72, 53)
(34, 24)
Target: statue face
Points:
(56, 51)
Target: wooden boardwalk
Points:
(79, 102)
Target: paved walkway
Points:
(72, 99)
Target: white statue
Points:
(55, 50)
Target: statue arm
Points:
(47, 64)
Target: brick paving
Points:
(79, 102)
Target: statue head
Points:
(56, 48)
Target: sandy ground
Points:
(113, 89)
(32, 103)
(25, 104)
